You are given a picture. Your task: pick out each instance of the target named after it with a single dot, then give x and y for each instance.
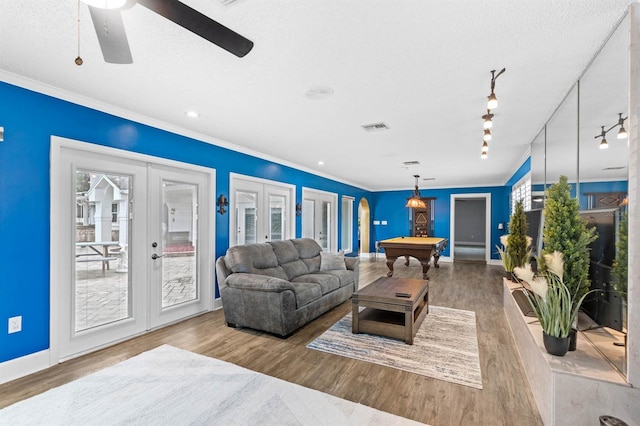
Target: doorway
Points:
(131, 239)
(364, 220)
(320, 218)
(471, 230)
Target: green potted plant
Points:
(516, 246)
(621, 264)
(552, 301)
(565, 231)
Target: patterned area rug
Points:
(445, 347)
(170, 386)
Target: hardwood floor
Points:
(504, 400)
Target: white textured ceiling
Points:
(420, 66)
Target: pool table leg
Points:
(425, 268)
(390, 261)
(436, 257)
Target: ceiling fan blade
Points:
(201, 25)
(111, 35)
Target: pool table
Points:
(422, 248)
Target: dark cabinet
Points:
(422, 220)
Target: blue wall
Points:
(29, 120)
(390, 206)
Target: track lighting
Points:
(487, 120)
(416, 202)
(622, 133)
(483, 155)
(485, 147)
(493, 101)
(487, 135)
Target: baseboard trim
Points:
(23, 366)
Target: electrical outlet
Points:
(15, 324)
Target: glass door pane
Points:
(309, 218)
(277, 205)
(179, 242)
(325, 226)
(101, 280)
(246, 217)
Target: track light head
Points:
(493, 101)
(483, 155)
(604, 144)
(485, 147)
(487, 120)
(487, 135)
(622, 133)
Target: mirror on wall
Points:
(603, 177)
(562, 140)
(568, 146)
(538, 170)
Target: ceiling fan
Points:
(112, 36)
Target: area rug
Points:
(170, 386)
(445, 347)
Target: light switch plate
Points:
(15, 324)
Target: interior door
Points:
(120, 263)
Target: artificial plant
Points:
(515, 250)
(565, 231)
(621, 264)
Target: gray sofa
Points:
(281, 285)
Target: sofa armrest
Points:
(257, 282)
(352, 263)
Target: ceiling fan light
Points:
(493, 101)
(487, 135)
(622, 133)
(106, 4)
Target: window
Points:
(346, 237)
(114, 212)
(521, 191)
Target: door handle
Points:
(155, 256)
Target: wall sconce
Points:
(222, 203)
(298, 209)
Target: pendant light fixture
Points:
(487, 120)
(622, 133)
(415, 202)
(487, 135)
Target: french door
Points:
(320, 218)
(260, 211)
(131, 240)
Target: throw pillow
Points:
(332, 261)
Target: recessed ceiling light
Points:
(320, 163)
(319, 92)
(192, 114)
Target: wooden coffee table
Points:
(387, 314)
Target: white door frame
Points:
(57, 232)
(480, 196)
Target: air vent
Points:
(375, 127)
(411, 163)
(429, 179)
(614, 168)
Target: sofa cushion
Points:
(309, 251)
(254, 259)
(327, 282)
(344, 277)
(306, 293)
(332, 261)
